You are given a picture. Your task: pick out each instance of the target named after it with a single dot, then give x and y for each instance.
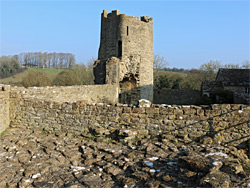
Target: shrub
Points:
(37, 79)
(204, 100)
(66, 78)
(162, 82)
(77, 76)
(223, 96)
(84, 75)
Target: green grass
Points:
(45, 132)
(173, 74)
(2, 133)
(17, 78)
(94, 138)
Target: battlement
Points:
(116, 13)
(146, 19)
(105, 13)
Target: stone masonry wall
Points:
(176, 96)
(223, 124)
(89, 93)
(4, 107)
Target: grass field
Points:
(17, 78)
(171, 74)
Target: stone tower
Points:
(126, 56)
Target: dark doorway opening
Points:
(128, 91)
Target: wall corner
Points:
(4, 107)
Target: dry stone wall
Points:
(176, 96)
(4, 107)
(222, 124)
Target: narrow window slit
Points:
(119, 48)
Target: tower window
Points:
(127, 30)
(247, 90)
(119, 48)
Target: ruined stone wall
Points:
(4, 107)
(89, 93)
(223, 124)
(176, 96)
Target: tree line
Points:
(46, 60)
(188, 79)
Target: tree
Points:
(209, 70)
(232, 66)
(162, 82)
(90, 76)
(9, 65)
(176, 83)
(49, 60)
(72, 60)
(159, 63)
(44, 59)
(193, 81)
(246, 64)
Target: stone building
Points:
(236, 81)
(126, 56)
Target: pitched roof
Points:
(234, 77)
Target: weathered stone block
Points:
(126, 110)
(139, 110)
(152, 110)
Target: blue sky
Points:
(186, 33)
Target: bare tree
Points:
(44, 59)
(49, 59)
(232, 66)
(159, 63)
(210, 69)
(72, 60)
(246, 64)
